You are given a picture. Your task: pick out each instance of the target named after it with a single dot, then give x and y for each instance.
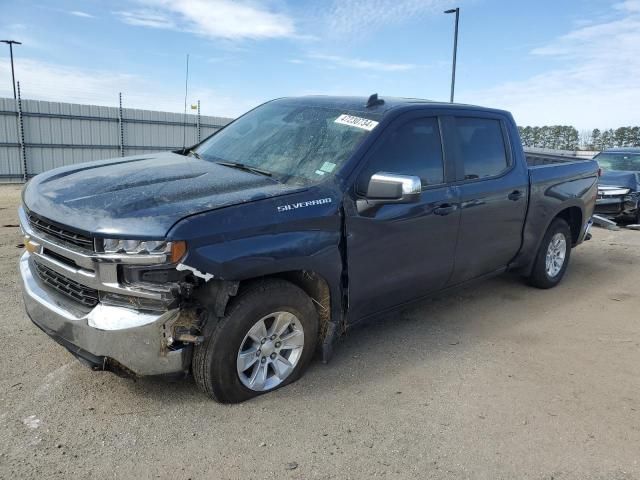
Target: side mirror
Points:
(391, 188)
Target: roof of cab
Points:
(359, 104)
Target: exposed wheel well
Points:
(317, 288)
(313, 285)
(573, 216)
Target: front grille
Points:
(80, 293)
(60, 233)
(609, 209)
(601, 196)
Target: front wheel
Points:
(265, 341)
(553, 256)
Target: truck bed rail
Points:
(535, 158)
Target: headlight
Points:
(606, 191)
(114, 245)
(174, 250)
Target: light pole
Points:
(13, 75)
(455, 51)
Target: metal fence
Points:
(36, 136)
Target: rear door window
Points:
(479, 142)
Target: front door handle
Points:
(444, 209)
(515, 195)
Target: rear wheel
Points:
(264, 342)
(553, 255)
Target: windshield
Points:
(619, 161)
(295, 143)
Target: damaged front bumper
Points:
(106, 337)
(617, 203)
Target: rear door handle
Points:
(515, 195)
(444, 209)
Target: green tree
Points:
(607, 139)
(545, 139)
(555, 137)
(527, 137)
(596, 139)
(535, 137)
(635, 137)
(567, 137)
(571, 138)
(619, 137)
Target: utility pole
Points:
(11, 43)
(184, 119)
(455, 51)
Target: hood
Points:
(614, 178)
(142, 196)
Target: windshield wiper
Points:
(195, 154)
(246, 168)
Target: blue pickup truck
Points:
(238, 259)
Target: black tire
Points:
(539, 277)
(214, 361)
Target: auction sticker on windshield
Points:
(357, 122)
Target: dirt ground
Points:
(498, 381)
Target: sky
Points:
(573, 62)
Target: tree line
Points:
(565, 137)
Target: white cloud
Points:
(356, 18)
(629, 6)
(335, 60)
(78, 13)
(594, 85)
(219, 19)
(42, 80)
(60, 83)
(146, 18)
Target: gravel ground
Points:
(496, 381)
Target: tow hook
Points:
(183, 328)
(185, 338)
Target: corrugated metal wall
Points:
(57, 134)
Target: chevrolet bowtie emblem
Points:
(31, 246)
